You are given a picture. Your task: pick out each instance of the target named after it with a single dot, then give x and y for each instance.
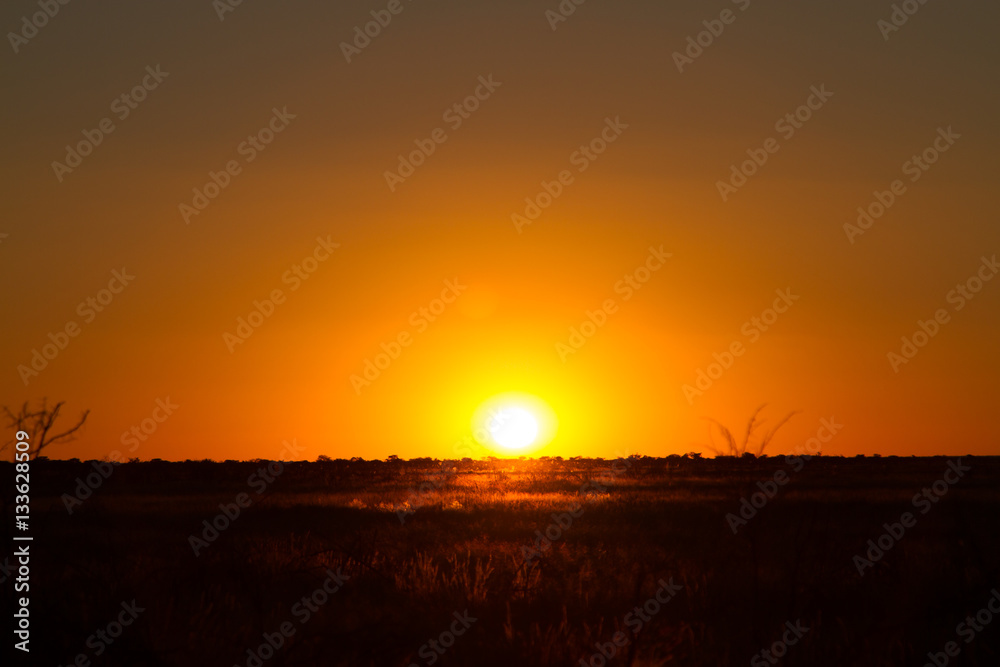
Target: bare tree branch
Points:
(39, 423)
(730, 445)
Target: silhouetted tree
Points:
(740, 449)
(38, 424)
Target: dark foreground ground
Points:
(418, 563)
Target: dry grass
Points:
(462, 549)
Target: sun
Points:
(514, 422)
(514, 428)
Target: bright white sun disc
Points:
(513, 428)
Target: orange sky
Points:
(314, 185)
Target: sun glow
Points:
(514, 422)
(514, 428)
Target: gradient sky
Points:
(656, 185)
